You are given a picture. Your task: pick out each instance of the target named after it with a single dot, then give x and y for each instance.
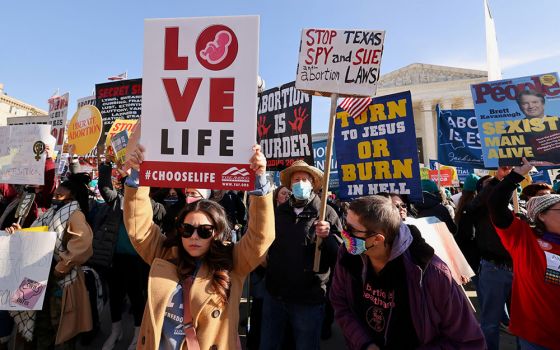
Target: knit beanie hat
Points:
(537, 205)
(429, 186)
(470, 182)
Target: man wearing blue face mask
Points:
(296, 295)
(390, 291)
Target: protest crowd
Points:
(387, 262)
(114, 241)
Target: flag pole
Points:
(323, 211)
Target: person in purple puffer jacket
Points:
(390, 291)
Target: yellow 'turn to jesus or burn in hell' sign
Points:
(84, 130)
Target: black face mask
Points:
(171, 200)
(57, 203)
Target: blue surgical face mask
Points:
(302, 190)
(354, 246)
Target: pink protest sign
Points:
(28, 293)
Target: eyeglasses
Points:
(352, 231)
(400, 206)
(187, 230)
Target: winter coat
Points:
(440, 312)
(76, 311)
(216, 326)
(432, 207)
(107, 219)
(289, 273)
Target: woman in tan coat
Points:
(66, 308)
(198, 256)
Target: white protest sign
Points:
(343, 62)
(58, 110)
(25, 261)
(437, 235)
(22, 154)
(199, 102)
(86, 101)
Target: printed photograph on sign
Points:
(199, 102)
(519, 118)
(118, 126)
(284, 126)
(119, 142)
(376, 151)
(344, 62)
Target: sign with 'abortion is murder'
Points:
(199, 102)
(284, 126)
(343, 62)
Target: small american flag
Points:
(355, 105)
(121, 76)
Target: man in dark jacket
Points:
(390, 291)
(495, 273)
(296, 294)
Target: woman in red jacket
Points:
(535, 306)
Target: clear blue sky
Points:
(71, 45)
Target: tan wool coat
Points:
(76, 311)
(216, 326)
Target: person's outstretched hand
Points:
(258, 161)
(524, 169)
(134, 150)
(12, 229)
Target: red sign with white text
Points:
(445, 176)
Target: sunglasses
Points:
(400, 206)
(352, 231)
(203, 231)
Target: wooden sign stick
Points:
(323, 211)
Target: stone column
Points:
(429, 136)
(446, 104)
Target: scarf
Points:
(57, 221)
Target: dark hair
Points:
(220, 256)
(276, 193)
(378, 214)
(481, 181)
(466, 198)
(77, 184)
(532, 190)
(529, 93)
